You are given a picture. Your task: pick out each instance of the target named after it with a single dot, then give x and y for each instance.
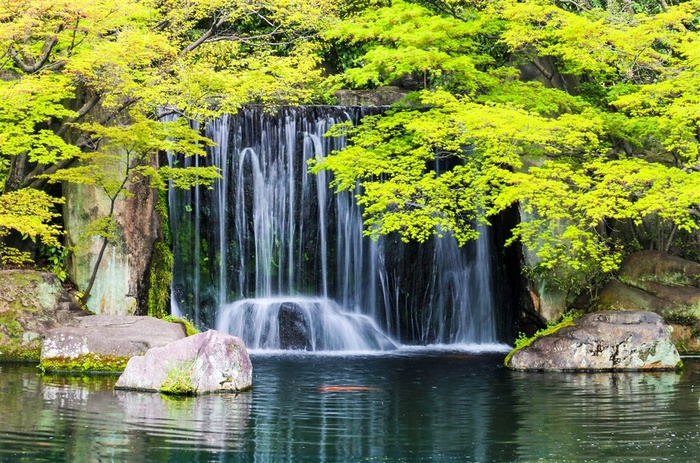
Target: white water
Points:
(325, 326)
(270, 233)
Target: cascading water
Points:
(270, 254)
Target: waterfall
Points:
(271, 254)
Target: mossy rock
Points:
(105, 343)
(31, 303)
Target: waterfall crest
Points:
(272, 242)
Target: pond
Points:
(413, 405)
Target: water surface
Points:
(409, 406)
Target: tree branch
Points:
(82, 112)
(31, 68)
(31, 181)
(548, 74)
(209, 33)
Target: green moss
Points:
(190, 329)
(16, 351)
(84, 363)
(178, 379)
(523, 341)
(10, 325)
(681, 318)
(161, 275)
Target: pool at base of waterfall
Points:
(442, 404)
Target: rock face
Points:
(207, 362)
(105, 342)
(122, 283)
(602, 341)
(662, 283)
(655, 281)
(31, 303)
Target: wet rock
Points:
(293, 328)
(207, 362)
(105, 342)
(602, 341)
(31, 303)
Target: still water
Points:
(408, 406)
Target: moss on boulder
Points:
(31, 304)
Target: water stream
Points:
(269, 229)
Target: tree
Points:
(84, 85)
(607, 132)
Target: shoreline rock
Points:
(205, 363)
(32, 303)
(105, 343)
(602, 341)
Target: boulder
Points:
(602, 341)
(294, 331)
(105, 342)
(662, 283)
(31, 303)
(654, 266)
(207, 362)
(616, 295)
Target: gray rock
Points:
(602, 341)
(662, 283)
(112, 339)
(207, 362)
(31, 303)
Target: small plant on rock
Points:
(522, 341)
(179, 379)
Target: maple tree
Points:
(86, 87)
(583, 113)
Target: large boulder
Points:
(31, 303)
(602, 341)
(659, 267)
(207, 362)
(105, 342)
(656, 281)
(662, 283)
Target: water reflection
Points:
(440, 407)
(601, 416)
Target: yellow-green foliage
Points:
(86, 80)
(613, 138)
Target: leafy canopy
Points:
(607, 132)
(84, 85)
